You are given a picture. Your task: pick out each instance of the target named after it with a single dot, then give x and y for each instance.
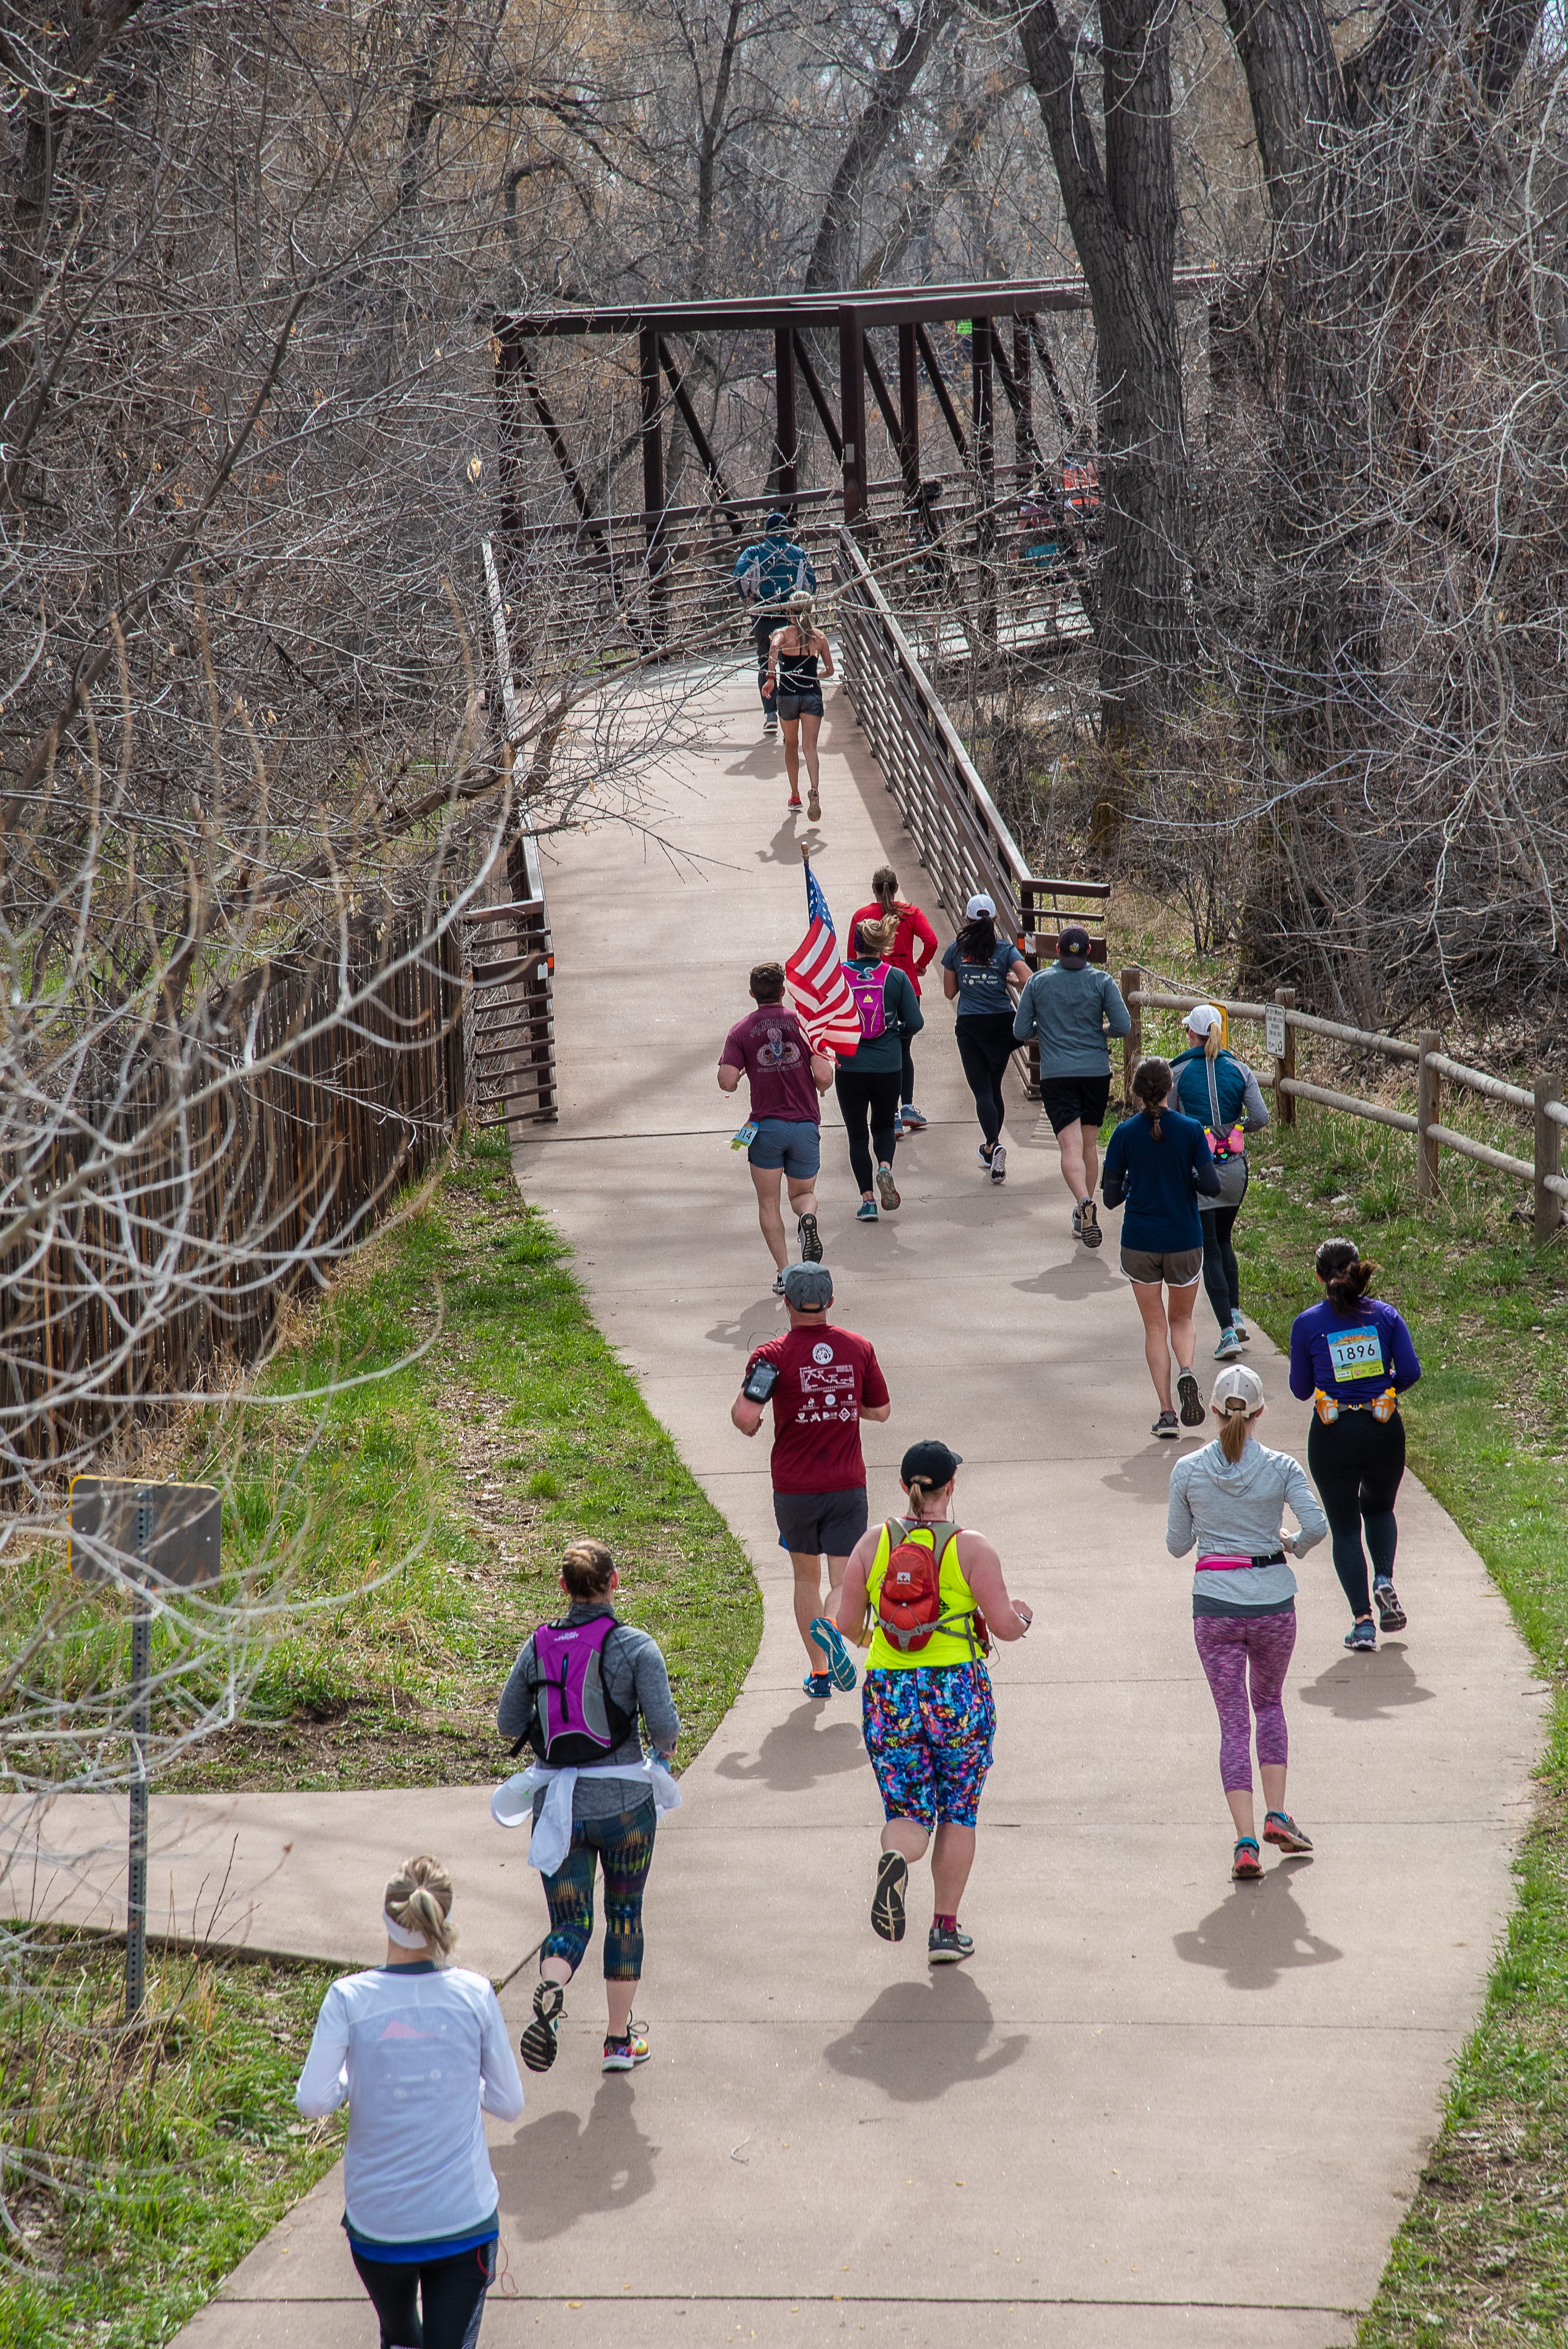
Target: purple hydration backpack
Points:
(870, 993)
(576, 1720)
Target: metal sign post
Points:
(156, 1536)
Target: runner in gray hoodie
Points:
(1229, 1499)
(1073, 1009)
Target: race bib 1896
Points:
(1356, 1353)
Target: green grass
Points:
(435, 1504)
(1482, 2255)
(157, 2159)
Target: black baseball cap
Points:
(1072, 945)
(935, 1464)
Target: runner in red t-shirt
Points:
(825, 1381)
(912, 952)
(786, 1077)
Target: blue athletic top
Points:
(983, 985)
(1160, 1181)
(1352, 1356)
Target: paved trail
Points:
(1155, 2111)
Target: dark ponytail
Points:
(1344, 1272)
(977, 940)
(1152, 1084)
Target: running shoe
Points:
(1241, 1329)
(1088, 1224)
(1166, 1424)
(998, 1162)
(1280, 1828)
(1078, 1222)
(914, 1120)
(887, 1901)
(814, 807)
(794, 802)
(866, 1213)
(887, 1189)
(1192, 1400)
(830, 1640)
(626, 2055)
(537, 2045)
(1244, 1862)
(1361, 1637)
(1229, 1347)
(819, 1684)
(898, 1127)
(983, 1155)
(947, 1945)
(810, 1242)
(769, 725)
(1391, 1616)
(778, 1284)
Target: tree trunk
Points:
(891, 87)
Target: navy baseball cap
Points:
(935, 1464)
(776, 522)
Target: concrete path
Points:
(1156, 2111)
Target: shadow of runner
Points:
(797, 1752)
(1366, 1688)
(916, 2040)
(559, 2169)
(1256, 1934)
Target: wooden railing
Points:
(1282, 1023)
(512, 1018)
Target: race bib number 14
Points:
(1356, 1353)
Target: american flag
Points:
(815, 978)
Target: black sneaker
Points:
(1192, 1400)
(1088, 1225)
(537, 2045)
(811, 1243)
(947, 1945)
(1391, 1616)
(887, 1901)
(1166, 1426)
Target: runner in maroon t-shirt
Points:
(826, 1380)
(786, 1078)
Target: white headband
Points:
(401, 1934)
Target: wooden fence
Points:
(157, 1236)
(1283, 1023)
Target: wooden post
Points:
(852, 415)
(1285, 1065)
(1548, 1161)
(1132, 1043)
(785, 437)
(1428, 1112)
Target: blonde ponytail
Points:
(1234, 1429)
(419, 1900)
(1212, 1045)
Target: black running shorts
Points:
(1075, 1100)
(821, 1525)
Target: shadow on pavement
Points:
(916, 2040)
(797, 1753)
(1081, 1276)
(1366, 1688)
(754, 1327)
(1146, 1476)
(1256, 1934)
(561, 2167)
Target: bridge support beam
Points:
(852, 415)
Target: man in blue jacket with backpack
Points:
(765, 574)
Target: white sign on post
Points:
(1274, 1030)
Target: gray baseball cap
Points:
(807, 1286)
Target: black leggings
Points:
(907, 1086)
(1356, 1463)
(763, 631)
(985, 1045)
(451, 2290)
(863, 1095)
(1222, 1274)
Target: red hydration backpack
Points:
(909, 1604)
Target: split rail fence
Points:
(1283, 1023)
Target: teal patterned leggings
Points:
(624, 1845)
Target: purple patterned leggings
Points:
(1229, 1648)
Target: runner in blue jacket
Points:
(1157, 1162)
(1221, 1092)
(765, 574)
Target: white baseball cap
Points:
(978, 904)
(1203, 1020)
(1238, 1384)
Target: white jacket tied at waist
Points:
(552, 1840)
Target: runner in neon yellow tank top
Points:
(927, 1705)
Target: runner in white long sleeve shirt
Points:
(418, 2050)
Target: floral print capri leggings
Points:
(623, 1848)
(929, 1731)
(1232, 1650)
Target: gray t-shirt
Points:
(634, 1679)
(1072, 1012)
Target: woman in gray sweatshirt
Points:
(1229, 1500)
